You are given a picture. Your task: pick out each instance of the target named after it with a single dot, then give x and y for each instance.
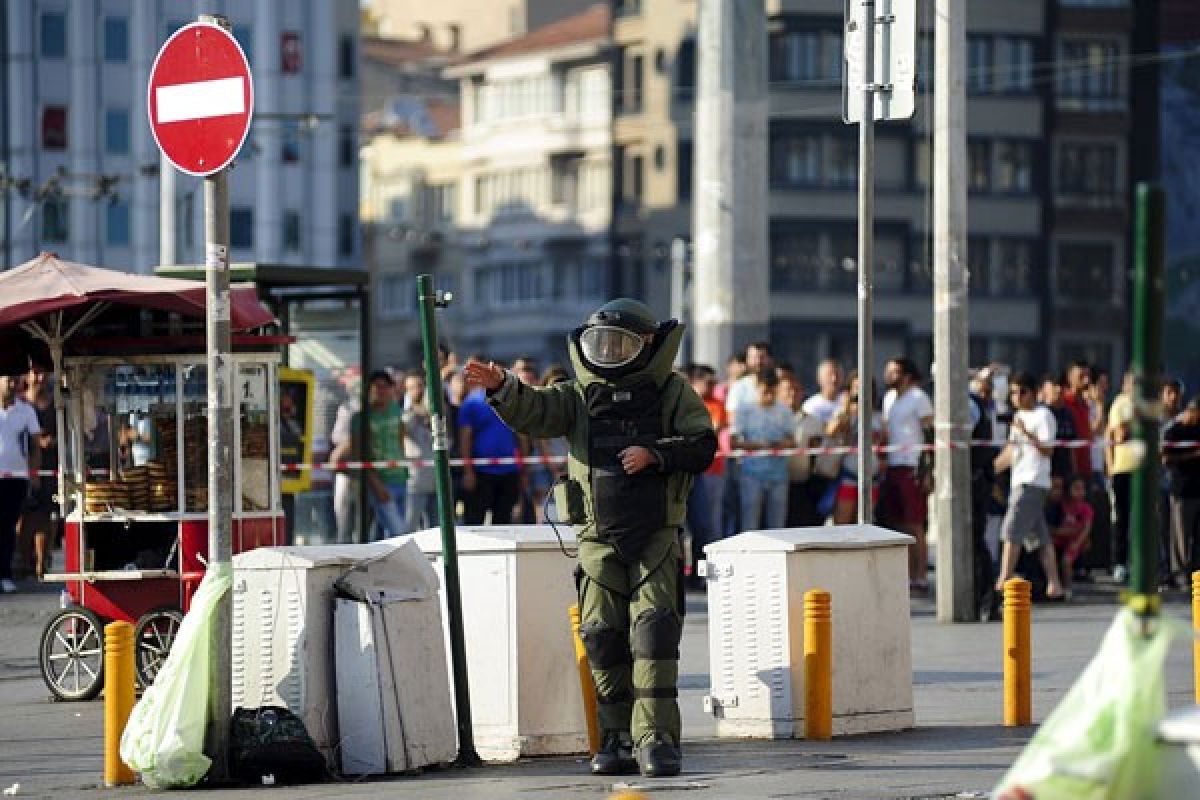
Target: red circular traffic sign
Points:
(200, 98)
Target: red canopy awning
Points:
(48, 284)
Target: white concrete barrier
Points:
(756, 586)
(516, 588)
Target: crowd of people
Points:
(1051, 463)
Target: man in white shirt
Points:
(18, 455)
(908, 421)
(744, 391)
(824, 404)
(1030, 446)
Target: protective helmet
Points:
(613, 336)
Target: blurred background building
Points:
(1049, 124)
(81, 168)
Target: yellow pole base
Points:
(586, 684)
(119, 695)
(1018, 688)
(818, 665)
(1196, 628)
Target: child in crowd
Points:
(1070, 520)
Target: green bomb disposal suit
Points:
(628, 576)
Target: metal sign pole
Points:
(866, 263)
(429, 302)
(220, 452)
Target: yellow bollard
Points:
(586, 684)
(1018, 687)
(818, 665)
(1196, 628)
(119, 695)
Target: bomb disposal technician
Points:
(637, 434)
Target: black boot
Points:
(658, 757)
(615, 756)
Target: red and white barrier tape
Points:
(355, 466)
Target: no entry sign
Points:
(200, 98)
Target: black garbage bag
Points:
(271, 743)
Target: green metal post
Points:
(429, 302)
(1147, 366)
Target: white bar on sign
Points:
(200, 100)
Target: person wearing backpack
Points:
(637, 434)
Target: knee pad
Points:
(606, 646)
(656, 634)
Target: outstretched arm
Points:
(543, 412)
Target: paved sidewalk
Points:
(958, 748)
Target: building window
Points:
(517, 284)
(56, 228)
(979, 259)
(979, 166)
(1012, 271)
(291, 231)
(1014, 166)
(979, 64)
(290, 60)
(116, 223)
(685, 70)
(1087, 174)
(840, 270)
(54, 128)
(627, 8)
(347, 58)
(807, 57)
(925, 60)
(289, 142)
(629, 81)
(54, 35)
(795, 159)
(683, 170)
(637, 77)
(795, 259)
(1014, 65)
(241, 227)
(116, 40)
(347, 151)
(116, 131)
(347, 232)
(245, 37)
(637, 179)
(1088, 75)
(841, 159)
(1085, 271)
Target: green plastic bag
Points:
(1099, 744)
(164, 739)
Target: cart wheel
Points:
(72, 654)
(155, 633)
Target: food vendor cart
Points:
(130, 396)
(136, 529)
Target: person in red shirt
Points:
(1079, 377)
(708, 490)
(1072, 526)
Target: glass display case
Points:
(139, 449)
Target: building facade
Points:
(82, 170)
(536, 188)
(1047, 111)
(556, 113)
(467, 25)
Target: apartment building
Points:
(1048, 101)
(536, 187)
(466, 25)
(81, 169)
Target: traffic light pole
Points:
(429, 302)
(866, 267)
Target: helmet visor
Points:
(609, 346)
